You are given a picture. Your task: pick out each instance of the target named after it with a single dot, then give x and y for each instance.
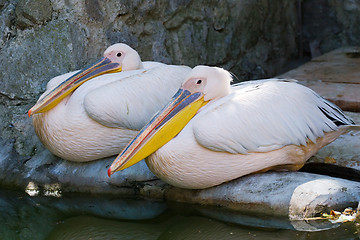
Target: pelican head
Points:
(118, 57)
(202, 85)
(127, 58)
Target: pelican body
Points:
(211, 133)
(93, 113)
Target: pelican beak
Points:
(102, 66)
(164, 126)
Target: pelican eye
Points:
(118, 54)
(198, 82)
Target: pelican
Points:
(93, 113)
(211, 133)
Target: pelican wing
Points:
(130, 102)
(265, 115)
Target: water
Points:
(109, 217)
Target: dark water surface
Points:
(109, 217)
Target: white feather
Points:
(263, 117)
(131, 102)
(76, 130)
(260, 125)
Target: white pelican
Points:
(211, 133)
(81, 120)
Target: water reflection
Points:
(205, 228)
(50, 190)
(87, 227)
(181, 227)
(109, 217)
(267, 221)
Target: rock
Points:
(294, 195)
(334, 75)
(46, 169)
(7, 17)
(329, 24)
(32, 12)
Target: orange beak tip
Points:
(109, 172)
(29, 113)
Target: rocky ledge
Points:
(296, 195)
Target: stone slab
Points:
(294, 195)
(334, 75)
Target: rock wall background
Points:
(40, 39)
(329, 24)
